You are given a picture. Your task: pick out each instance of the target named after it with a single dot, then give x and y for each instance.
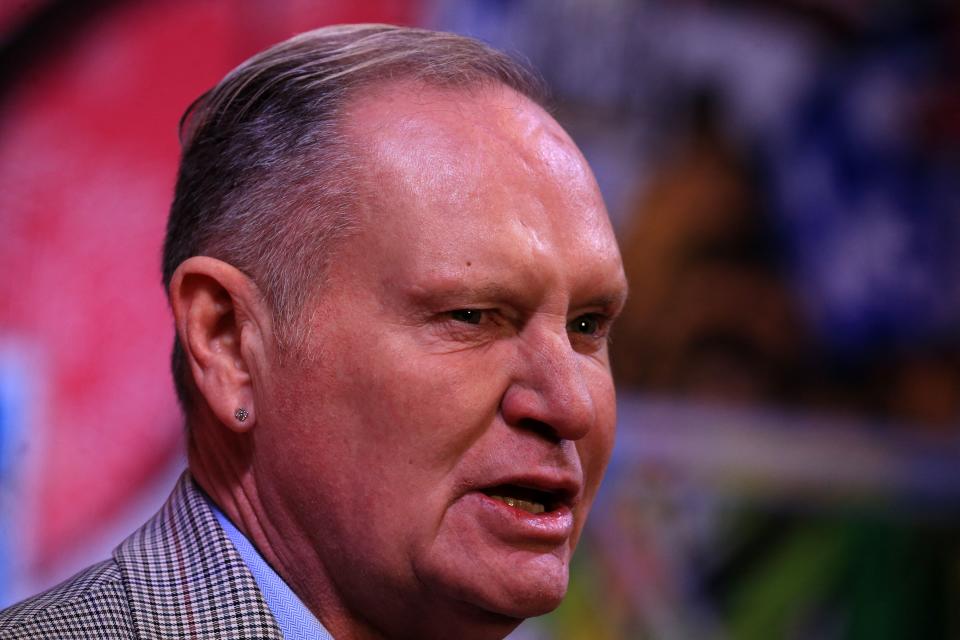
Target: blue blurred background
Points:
(784, 177)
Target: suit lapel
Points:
(185, 579)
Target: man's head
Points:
(267, 179)
(424, 459)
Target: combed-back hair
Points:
(265, 171)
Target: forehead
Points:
(480, 163)
(471, 127)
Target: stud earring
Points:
(241, 414)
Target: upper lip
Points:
(564, 488)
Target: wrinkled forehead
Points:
(480, 151)
(441, 143)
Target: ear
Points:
(224, 329)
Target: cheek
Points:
(595, 448)
(439, 416)
(410, 412)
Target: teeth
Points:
(524, 505)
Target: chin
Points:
(529, 605)
(524, 591)
(490, 616)
(495, 586)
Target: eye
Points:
(589, 324)
(468, 316)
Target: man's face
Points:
(434, 455)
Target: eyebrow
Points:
(613, 300)
(445, 292)
(441, 292)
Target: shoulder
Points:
(92, 604)
(178, 576)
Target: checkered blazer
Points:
(178, 576)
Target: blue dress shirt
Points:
(294, 619)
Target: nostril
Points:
(540, 428)
(556, 409)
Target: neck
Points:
(221, 462)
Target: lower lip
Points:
(516, 526)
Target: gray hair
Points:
(264, 181)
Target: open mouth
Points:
(533, 501)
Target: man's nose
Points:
(549, 392)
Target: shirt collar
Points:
(295, 620)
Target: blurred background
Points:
(784, 177)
